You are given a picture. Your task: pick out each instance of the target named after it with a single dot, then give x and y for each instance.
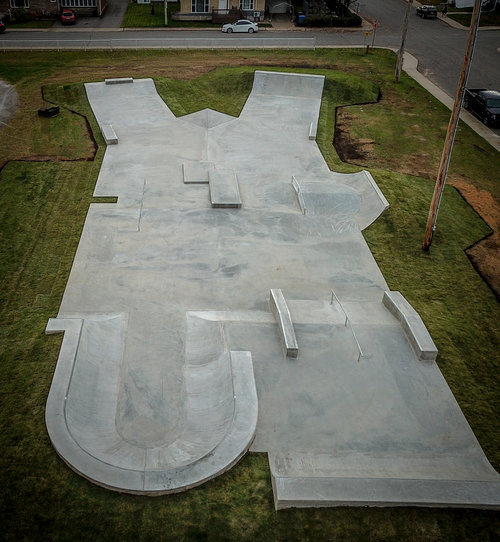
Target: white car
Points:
(240, 26)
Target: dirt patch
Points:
(348, 150)
(360, 151)
(484, 255)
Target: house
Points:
(38, 9)
(218, 10)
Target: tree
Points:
(339, 7)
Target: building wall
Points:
(32, 8)
(258, 5)
(47, 8)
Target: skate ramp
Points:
(172, 364)
(93, 433)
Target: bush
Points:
(18, 15)
(331, 20)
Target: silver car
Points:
(240, 26)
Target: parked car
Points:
(68, 16)
(241, 26)
(427, 12)
(2, 28)
(485, 104)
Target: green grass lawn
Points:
(140, 16)
(43, 211)
(486, 19)
(144, 16)
(31, 24)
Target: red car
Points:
(68, 17)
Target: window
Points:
(19, 3)
(78, 3)
(246, 5)
(199, 6)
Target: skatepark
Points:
(228, 302)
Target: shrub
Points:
(331, 20)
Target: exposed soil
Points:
(485, 254)
(348, 150)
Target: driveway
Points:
(111, 19)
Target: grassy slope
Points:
(40, 223)
(472, 159)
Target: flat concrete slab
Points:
(172, 365)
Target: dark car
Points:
(427, 12)
(484, 103)
(2, 28)
(68, 17)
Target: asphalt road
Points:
(438, 46)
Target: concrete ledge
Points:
(224, 190)
(280, 310)
(415, 329)
(327, 492)
(118, 80)
(109, 134)
(313, 130)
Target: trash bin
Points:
(301, 17)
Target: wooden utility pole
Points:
(401, 52)
(452, 128)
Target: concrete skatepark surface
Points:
(177, 358)
(9, 102)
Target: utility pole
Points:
(452, 128)
(401, 52)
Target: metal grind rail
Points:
(348, 323)
(244, 42)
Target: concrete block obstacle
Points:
(171, 366)
(313, 131)
(109, 134)
(280, 310)
(413, 326)
(118, 80)
(224, 190)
